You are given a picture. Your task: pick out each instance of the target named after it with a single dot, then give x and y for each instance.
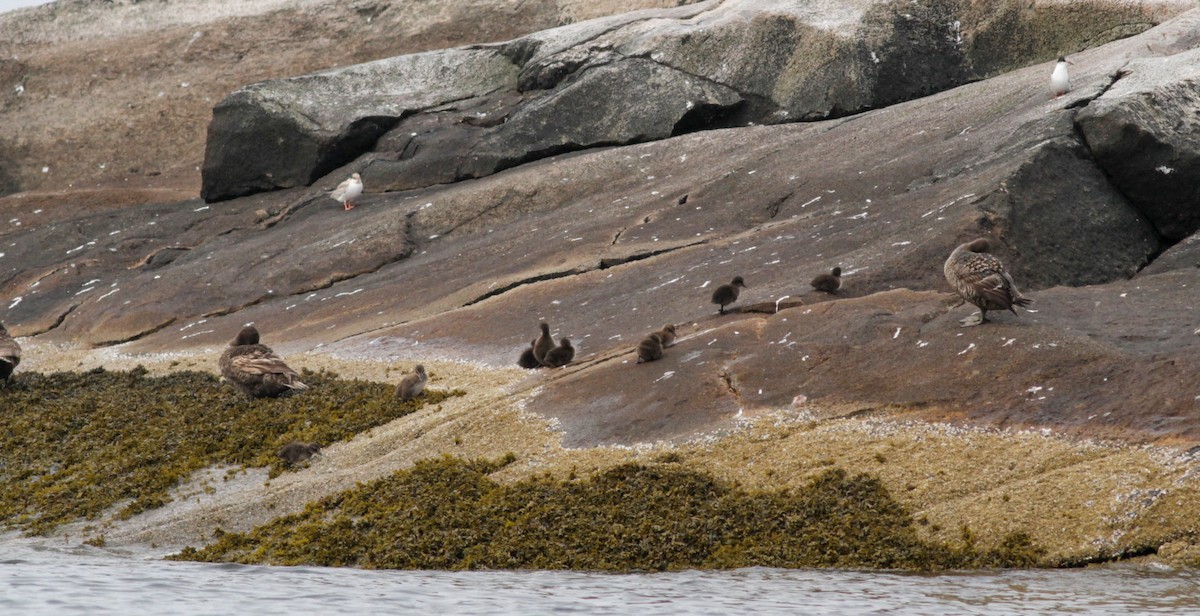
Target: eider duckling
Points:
(255, 369)
(728, 293)
(413, 384)
(830, 282)
(296, 452)
(543, 344)
(559, 356)
(650, 349)
(667, 335)
(348, 191)
(980, 278)
(527, 360)
(10, 355)
(1060, 79)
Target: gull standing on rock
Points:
(1060, 80)
(255, 369)
(413, 384)
(10, 355)
(980, 278)
(348, 191)
(728, 293)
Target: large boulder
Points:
(617, 80)
(1145, 132)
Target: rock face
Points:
(1145, 133)
(614, 81)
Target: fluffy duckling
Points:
(348, 191)
(413, 384)
(543, 344)
(559, 356)
(650, 349)
(527, 360)
(10, 355)
(830, 282)
(980, 278)
(255, 369)
(667, 335)
(728, 293)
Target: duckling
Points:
(667, 335)
(527, 360)
(295, 452)
(650, 349)
(728, 293)
(980, 278)
(10, 355)
(255, 369)
(413, 384)
(560, 355)
(543, 344)
(830, 282)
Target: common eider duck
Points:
(560, 355)
(255, 369)
(413, 384)
(527, 360)
(830, 282)
(296, 452)
(650, 349)
(543, 344)
(728, 293)
(348, 191)
(980, 278)
(10, 355)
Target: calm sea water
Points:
(36, 579)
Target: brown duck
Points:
(560, 355)
(413, 384)
(980, 278)
(543, 344)
(650, 349)
(830, 282)
(255, 369)
(10, 355)
(666, 335)
(728, 293)
(296, 452)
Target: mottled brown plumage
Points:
(667, 335)
(560, 355)
(296, 452)
(543, 344)
(980, 278)
(728, 293)
(830, 282)
(413, 384)
(650, 349)
(255, 370)
(10, 355)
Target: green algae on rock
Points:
(76, 444)
(446, 513)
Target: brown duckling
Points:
(10, 355)
(980, 278)
(560, 355)
(527, 360)
(830, 282)
(543, 344)
(728, 293)
(650, 349)
(255, 369)
(295, 452)
(413, 384)
(667, 335)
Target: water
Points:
(39, 580)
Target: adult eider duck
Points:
(980, 278)
(255, 369)
(560, 355)
(728, 293)
(650, 349)
(543, 344)
(413, 384)
(830, 282)
(296, 452)
(348, 191)
(10, 355)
